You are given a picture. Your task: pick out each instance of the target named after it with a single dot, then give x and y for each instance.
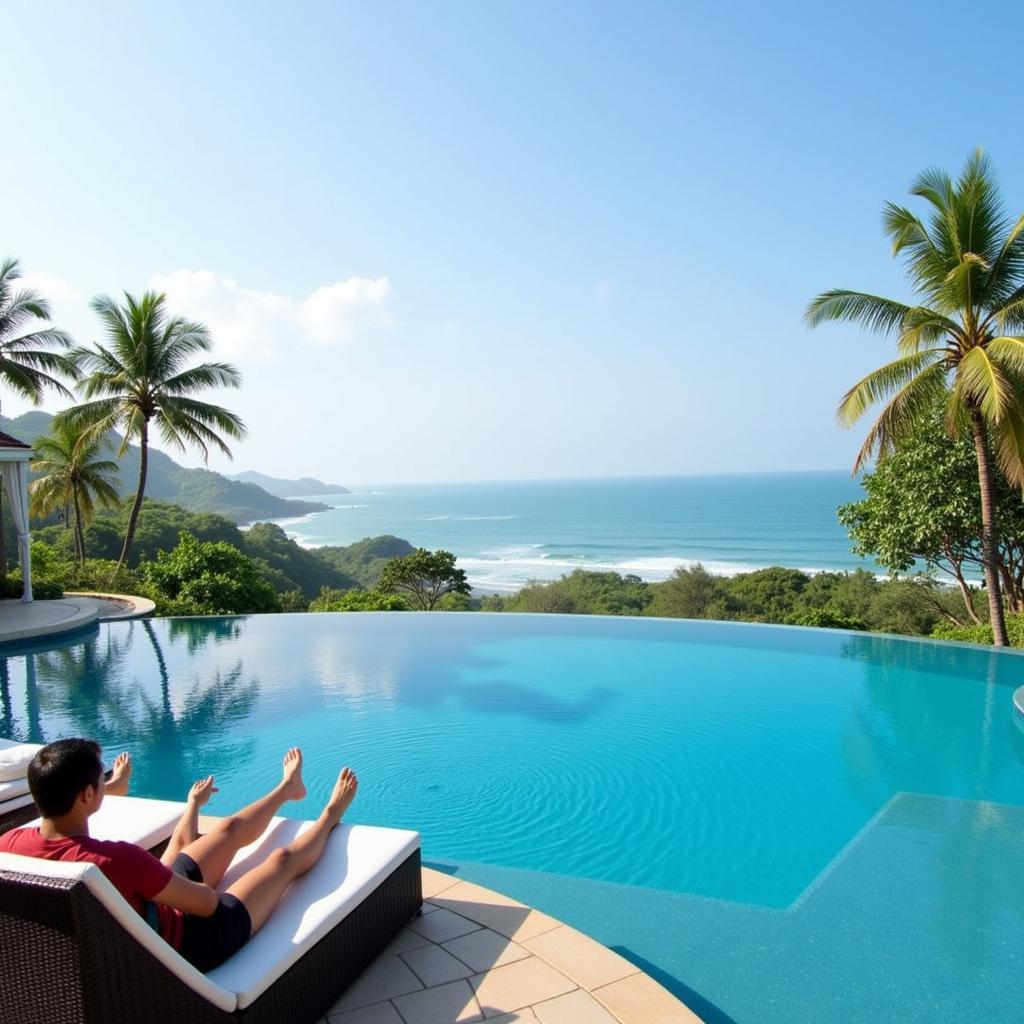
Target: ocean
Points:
(506, 534)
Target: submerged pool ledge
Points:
(477, 954)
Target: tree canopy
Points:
(423, 578)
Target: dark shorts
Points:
(207, 942)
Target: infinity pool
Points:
(781, 825)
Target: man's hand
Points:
(201, 791)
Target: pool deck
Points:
(40, 619)
(476, 955)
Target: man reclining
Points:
(177, 893)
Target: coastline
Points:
(506, 535)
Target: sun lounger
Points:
(75, 950)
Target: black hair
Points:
(60, 771)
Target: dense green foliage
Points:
(208, 578)
(298, 568)
(856, 600)
(158, 529)
(295, 574)
(593, 593)
(923, 505)
(357, 601)
(981, 633)
(423, 578)
(364, 560)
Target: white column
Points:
(16, 485)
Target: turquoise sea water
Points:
(780, 824)
(505, 534)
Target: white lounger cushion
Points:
(132, 819)
(121, 910)
(11, 801)
(15, 759)
(357, 859)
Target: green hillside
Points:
(198, 490)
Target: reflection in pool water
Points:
(704, 795)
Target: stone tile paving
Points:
(476, 955)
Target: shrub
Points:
(208, 578)
(827, 618)
(981, 634)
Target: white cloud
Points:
(604, 291)
(335, 312)
(245, 322)
(242, 322)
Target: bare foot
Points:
(343, 795)
(291, 774)
(120, 776)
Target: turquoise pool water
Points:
(780, 824)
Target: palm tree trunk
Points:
(133, 519)
(989, 532)
(79, 534)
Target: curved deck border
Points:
(477, 954)
(37, 619)
(141, 606)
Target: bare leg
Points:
(262, 888)
(214, 851)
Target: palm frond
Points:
(980, 381)
(885, 381)
(902, 415)
(873, 312)
(200, 378)
(924, 327)
(1008, 353)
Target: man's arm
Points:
(192, 897)
(187, 829)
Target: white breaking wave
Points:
(293, 521)
(512, 569)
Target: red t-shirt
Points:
(136, 874)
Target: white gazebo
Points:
(15, 456)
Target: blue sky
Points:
(471, 241)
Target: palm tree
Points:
(143, 377)
(30, 351)
(73, 476)
(956, 346)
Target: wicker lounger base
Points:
(67, 960)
